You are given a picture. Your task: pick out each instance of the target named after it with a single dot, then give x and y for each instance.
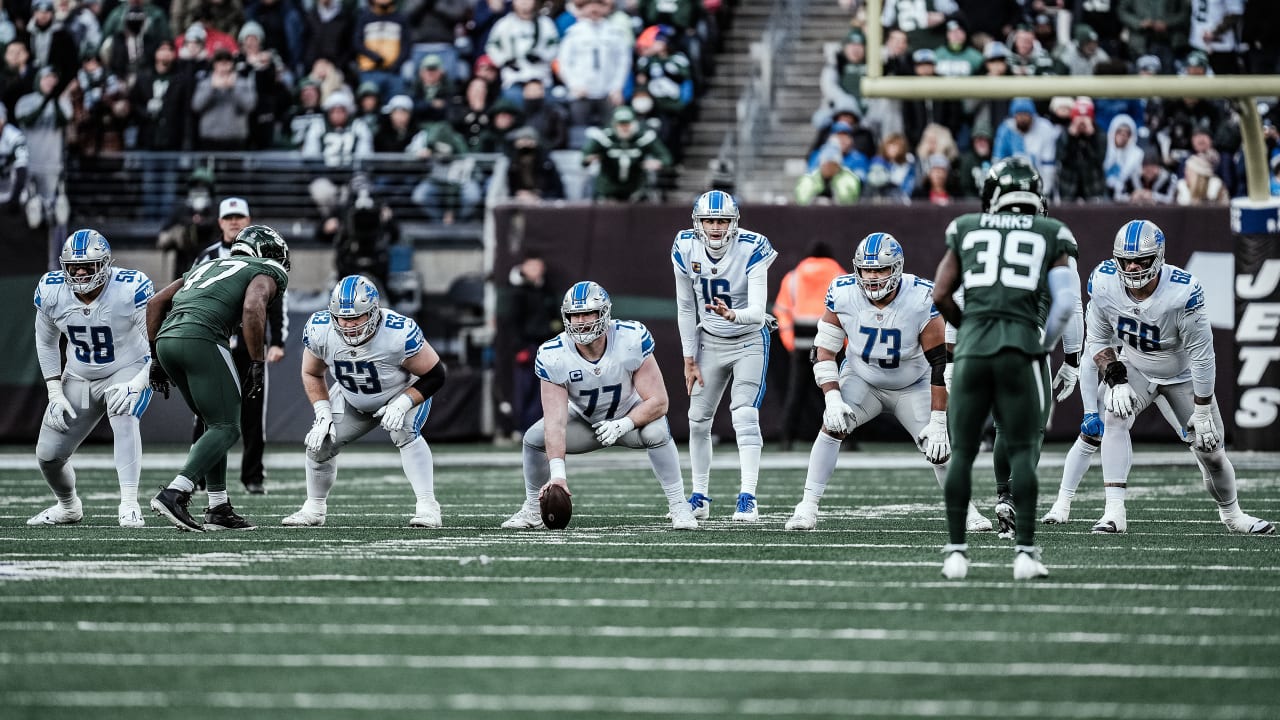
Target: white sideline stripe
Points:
(643, 603)
(646, 664)
(633, 705)
(648, 632)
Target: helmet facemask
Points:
(878, 251)
(582, 299)
(356, 297)
(85, 248)
(716, 204)
(1141, 241)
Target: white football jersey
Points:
(724, 278)
(105, 335)
(369, 374)
(600, 390)
(1163, 334)
(884, 343)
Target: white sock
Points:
(69, 501)
(700, 460)
(320, 478)
(822, 462)
(419, 468)
(128, 455)
(319, 506)
(749, 459)
(183, 483)
(217, 497)
(1116, 493)
(1079, 459)
(536, 472)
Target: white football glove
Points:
(838, 417)
(935, 442)
(608, 431)
(1208, 438)
(59, 412)
(122, 397)
(946, 375)
(322, 429)
(1064, 383)
(393, 413)
(1122, 400)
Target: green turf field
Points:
(619, 617)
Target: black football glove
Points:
(257, 376)
(159, 379)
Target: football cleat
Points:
(255, 488)
(1005, 517)
(58, 515)
(304, 518)
(975, 522)
(805, 517)
(747, 510)
(172, 505)
(528, 517)
(1027, 565)
(1239, 522)
(955, 566)
(1059, 513)
(701, 506)
(224, 517)
(130, 515)
(426, 515)
(1113, 520)
(682, 517)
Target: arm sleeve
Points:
(686, 316)
(47, 347)
(278, 319)
(1195, 328)
(1073, 335)
(757, 298)
(1098, 333)
(1089, 381)
(1064, 285)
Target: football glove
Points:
(934, 440)
(608, 431)
(159, 378)
(59, 412)
(946, 375)
(121, 398)
(1064, 383)
(393, 413)
(1122, 401)
(838, 417)
(322, 429)
(257, 379)
(1208, 438)
(1091, 425)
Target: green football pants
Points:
(206, 376)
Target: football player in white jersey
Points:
(895, 363)
(721, 292)
(601, 386)
(385, 373)
(102, 311)
(1157, 311)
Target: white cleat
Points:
(956, 565)
(682, 517)
(130, 515)
(1059, 513)
(701, 505)
(1239, 522)
(806, 517)
(1113, 521)
(528, 517)
(975, 522)
(58, 515)
(747, 510)
(427, 515)
(1027, 565)
(304, 518)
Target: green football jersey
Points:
(211, 302)
(1004, 268)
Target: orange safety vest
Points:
(802, 300)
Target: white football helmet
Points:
(877, 251)
(86, 248)
(585, 297)
(716, 204)
(356, 296)
(1143, 241)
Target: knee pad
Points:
(655, 434)
(48, 456)
(1214, 461)
(746, 425)
(700, 428)
(1111, 420)
(328, 451)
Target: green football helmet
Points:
(1013, 186)
(262, 242)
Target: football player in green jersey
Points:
(1004, 259)
(189, 323)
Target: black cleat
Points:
(255, 487)
(1005, 516)
(223, 517)
(172, 506)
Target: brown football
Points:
(556, 506)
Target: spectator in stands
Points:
(918, 114)
(939, 186)
(995, 63)
(224, 16)
(1200, 184)
(935, 140)
(594, 62)
(382, 45)
(486, 70)
(531, 175)
(14, 159)
(531, 315)
(82, 21)
(366, 231)
(975, 162)
(1083, 55)
(330, 33)
(396, 131)
(922, 20)
(103, 129)
(434, 26)
(893, 170)
(1081, 151)
(271, 80)
(1158, 27)
(956, 57)
(1026, 56)
(224, 101)
(160, 97)
(43, 115)
(665, 78)
(93, 81)
(550, 119)
(368, 106)
(18, 76)
(1123, 161)
(1046, 31)
(841, 138)
(1154, 184)
(209, 38)
(51, 44)
(451, 192)
(145, 18)
(433, 91)
(1101, 16)
(864, 141)
(884, 115)
(336, 139)
(471, 118)
(523, 43)
(841, 77)
(1031, 136)
(831, 183)
(283, 26)
(132, 45)
(328, 78)
(305, 112)
(1182, 118)
(626, 154)
(192, 226)
(990, 19)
